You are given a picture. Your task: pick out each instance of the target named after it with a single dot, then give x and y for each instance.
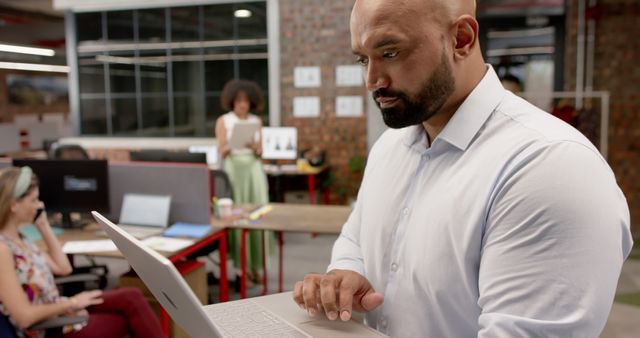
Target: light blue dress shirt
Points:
(510, 225)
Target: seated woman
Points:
(28, 293)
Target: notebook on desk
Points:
(144, 215)
(268, 316)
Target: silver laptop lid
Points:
(164, 281)
(145, 210)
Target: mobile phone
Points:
(38, 213)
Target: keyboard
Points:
(249, 319)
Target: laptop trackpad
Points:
(327, 328)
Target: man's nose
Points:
(376, 77)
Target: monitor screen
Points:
(71, 185)
(160, 155)
(210, 150)
(279, 143)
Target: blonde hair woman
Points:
(28, 293)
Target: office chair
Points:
(67, 152)
(220, 184)
(52, 327)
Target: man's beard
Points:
(415, 110)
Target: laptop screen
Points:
(146, 210)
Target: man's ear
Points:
(466, 36)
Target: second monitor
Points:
(279, 143)
(71, 185)
(161, 155)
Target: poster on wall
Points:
(306, 77)
(306, 106)
(37, 90)
(349, 106)
(349, 76)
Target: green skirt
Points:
(250, 185)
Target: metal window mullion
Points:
(136, 53)
(167, 20)
(71, 34)
(236, 63)
(200, 118)
(107, 77)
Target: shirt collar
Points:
(470, 116)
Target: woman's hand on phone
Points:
(40, 219)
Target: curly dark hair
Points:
(233, 87)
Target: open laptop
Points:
(144, 215)
(268, 316)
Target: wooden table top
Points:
(327, 219)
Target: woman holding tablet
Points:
(243, 164)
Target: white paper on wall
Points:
(349, 106)
(349, 76)
(306, 106)
(306, 77)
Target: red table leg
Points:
(243, 263)
(311, 185)
(265, 289)
(224, 282)
(280, 259)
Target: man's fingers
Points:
(297, 295)
(371, 300)
(310, 291)
(328, 296)
(346, 300)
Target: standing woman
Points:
(243, 166)
(28, 293)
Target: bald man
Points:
(479, 214)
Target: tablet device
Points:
(243, 133)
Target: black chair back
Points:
(220, 184)
(6, 328)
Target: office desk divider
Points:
(5, 162)
(9, 138)
(188, 185)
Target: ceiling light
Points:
(36, 67)
(242, 13)
(26, 50)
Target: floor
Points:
(304, 254)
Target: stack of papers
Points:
(167, 244)
(79, 247)
(181, 229)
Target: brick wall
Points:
(617, 51)
(316, 33)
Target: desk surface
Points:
(327, 219)
(93, 230)
(292, 170)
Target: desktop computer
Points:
(161, 155)
(279, 143)
(71, 185)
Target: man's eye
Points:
(389, 55)
(362, 61)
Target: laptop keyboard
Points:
(249, 319)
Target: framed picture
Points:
(37, 90)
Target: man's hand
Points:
(338, 292)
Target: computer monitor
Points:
(71, 185)
(211, 150)
(160, 155)
(279, 143)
